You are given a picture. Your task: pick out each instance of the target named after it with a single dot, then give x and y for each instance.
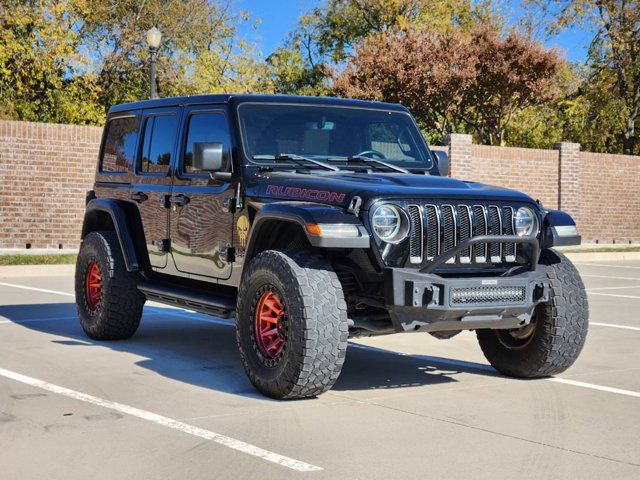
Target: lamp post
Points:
(154, 36)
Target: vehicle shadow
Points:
(202, 351)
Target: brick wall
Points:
(601, 192)
(608, 198)
(45, 172)
(46, 169)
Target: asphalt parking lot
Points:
(173, 402)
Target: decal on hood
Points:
(305, 193)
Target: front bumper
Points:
(429, 302)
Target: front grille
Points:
(484, 295)
(436, 229)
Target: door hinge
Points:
(164, 245)
(228, 253)
(230, 204)
(164, 200)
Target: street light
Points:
(154, 36)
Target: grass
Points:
(70, 258)
(55, 259)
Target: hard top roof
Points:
(240, 98)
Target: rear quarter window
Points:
(120, 144)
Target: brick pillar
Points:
(568, 177)
(459, 154)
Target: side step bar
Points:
(209, 304)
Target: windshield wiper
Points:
(360, 158)
(295, 158)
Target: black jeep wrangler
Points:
(315, 220)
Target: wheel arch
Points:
(289, 220)
(124, 219)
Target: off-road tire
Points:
(561, 327)
(120, 308)
(317, 328)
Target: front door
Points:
(152, 179)
(201, 224)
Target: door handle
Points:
(179, 200)
(139, 197)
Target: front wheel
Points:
(291, 324)
(553, 340)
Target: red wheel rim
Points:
(93, 285)
(269, 325)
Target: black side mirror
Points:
(443, 162)
(209, 157)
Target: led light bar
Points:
(487, 295)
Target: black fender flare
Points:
(128, 227)
(306, 213)
(550, 235)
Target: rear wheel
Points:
(108, 301)
(291, 324)
(558, 329)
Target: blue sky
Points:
(279, 17)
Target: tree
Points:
(38, 63)
(70, 60)
(326, 36)
(614, 53)
(452, 81)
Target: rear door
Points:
(151, 187)
(201, 224)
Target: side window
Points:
(159, 140)
(120, 144)
(205, 127)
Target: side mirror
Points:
(443, 162)
(209, 157)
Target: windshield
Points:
(331, 133)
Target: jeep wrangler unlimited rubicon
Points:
(314, 220)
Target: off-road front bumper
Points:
(429, 302)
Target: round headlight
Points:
(390, 223)
(526, 222)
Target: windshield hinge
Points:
(354, 205)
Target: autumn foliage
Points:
(454, 81)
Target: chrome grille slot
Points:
(495, 228)
(448, 230)
(464, 231)
(415, 241)
(508, 249)
(438, 228)
(432, 232)
(479, 228)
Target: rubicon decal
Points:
(307, 194)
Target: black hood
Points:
(338, 188)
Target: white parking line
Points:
(614, 295)
(612, 288)
(593, 386)
(477, 366)
(610, 277)
(165, 422)
(43, 290)
(611, 325)
(29, 320)
(607, 265)
(488, 368)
